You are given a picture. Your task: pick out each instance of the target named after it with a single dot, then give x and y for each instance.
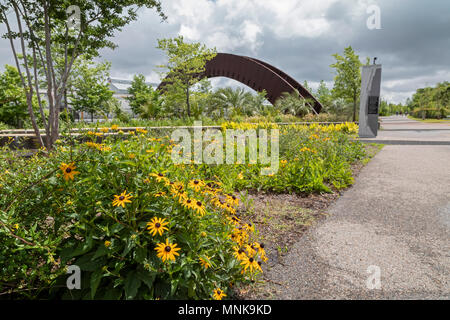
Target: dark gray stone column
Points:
(369, 101)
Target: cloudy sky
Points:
(296, 36)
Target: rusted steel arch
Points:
(255, 74)
(300, 88)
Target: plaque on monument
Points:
(373, 105)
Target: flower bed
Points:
(140, 226)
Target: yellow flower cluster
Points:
(247, 125)
(347, 127)
(92, 133)
(143, 131)
(98, 146)
(304, 149)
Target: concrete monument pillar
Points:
(369, 101)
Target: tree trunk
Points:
(354, 107)
(187, 102)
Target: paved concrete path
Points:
(395, 217)
(401, 130)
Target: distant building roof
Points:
(120, 86)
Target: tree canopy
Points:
(347, 82)
(186, 62)
(76, 27)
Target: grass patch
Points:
(447, 120)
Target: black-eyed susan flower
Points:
(160, 194)
(181, 196)
(157, 225)
(249, 227)
(251, 250)
(218, 294)
(188, 203)
(261, 252)
(251, 264)
(199, 207)
(68, 170)
(217, 202)
(196, 184)
(259, 266)
(205, 262)
(238, 253)
(232, 200)
(234, 220)
(167, 251)
(159, 176)
(229, 208)
(177, 187)
(120, 200)
(214, 186)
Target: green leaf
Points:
(101, 251)
(140, 254)
(129, 245)
(132, 284)
(96, 276)
(112, 294)
(147, 277)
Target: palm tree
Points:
(293, 103)
(230, 101)
(339, 107)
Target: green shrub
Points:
(65, 208)
(69, 217)
(430, 113)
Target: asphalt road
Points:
(395, 220)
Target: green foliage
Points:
(312, 159)
(90, 89)
(116, 107)
(13, 101)
(293, 103)
(185, 62)
(139, 93)
(431, 102)
(387, 109)
(48, 222)
(347, 82)
(153, 106)
(227, 102)
(325, 97)
(44, 27)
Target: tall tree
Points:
(139, 93)
(347, 82)
(323, 94)
(186, 61)
(77, 27)
(89, 90)
(13, 101)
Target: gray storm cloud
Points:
(299, 37)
